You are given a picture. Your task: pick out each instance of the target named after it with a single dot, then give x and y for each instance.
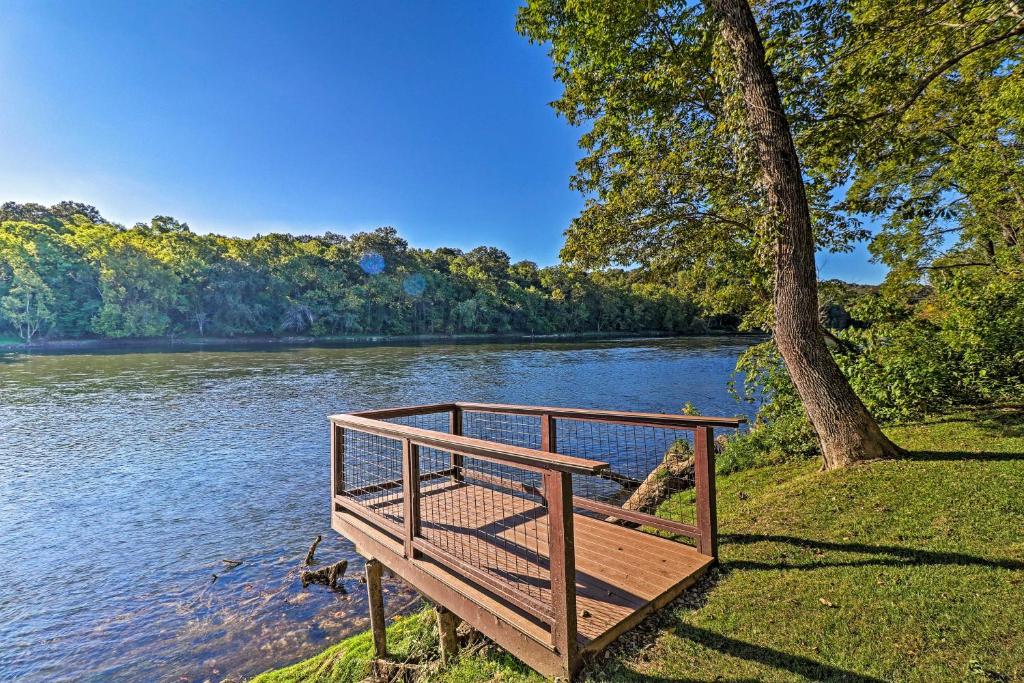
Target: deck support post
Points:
(375, 598)
(549, 443)
(704, 485)
(562, 554)
(447, 623)
(548, 434)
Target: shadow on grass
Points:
(1005, 421)
(896, 556)
(645, 635)
(732, 647)
(961, 455)
(798, 664)
(1002, 421)
(803, 666)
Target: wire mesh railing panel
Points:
(651, 468)
(506, 428)
(487, 517)
(436, 422)
(372, 468)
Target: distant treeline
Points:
(65, 272)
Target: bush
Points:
(963, 344)
(913, 352)
(781, 430)
(900, 371)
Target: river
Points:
(127, 478)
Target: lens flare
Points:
(372, 263)
(415, 284)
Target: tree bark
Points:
(846, 431)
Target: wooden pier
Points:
(512, 518)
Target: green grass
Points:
(410, 638)
(909, 570)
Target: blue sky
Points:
(301, 117)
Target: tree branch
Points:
(1017, 30)
(950, 266)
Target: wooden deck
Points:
(621, 573)
(488, 530)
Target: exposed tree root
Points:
(327, 576)
(312, 551)
(673, 474)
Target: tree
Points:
(138, 291)
(846, 430)
(699, 172)
(67, 211)
(28, 302)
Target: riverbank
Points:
(198, 343)
(900, 570)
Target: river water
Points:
(127, 478)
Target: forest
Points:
(66, 272)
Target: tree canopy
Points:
(908, 112)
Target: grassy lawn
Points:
(909, 570)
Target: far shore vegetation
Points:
(67, 273)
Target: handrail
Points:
(405, 411)
(587, 414)
(476, 448)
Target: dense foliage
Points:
(908, 353)
(66, 272)
(668, 166)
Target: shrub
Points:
(781, 430)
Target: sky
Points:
(256, 117)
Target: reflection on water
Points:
(127, 478)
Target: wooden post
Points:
(376, 600)
(548, 434)
(411, 494)
(455, 428)
(549, 443)
(562, 555)
(447, 623)
(704, 484)
(337, 462)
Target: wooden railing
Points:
(703, 528)
(407, 471)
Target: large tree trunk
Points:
(845, 429)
